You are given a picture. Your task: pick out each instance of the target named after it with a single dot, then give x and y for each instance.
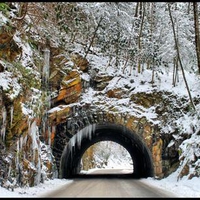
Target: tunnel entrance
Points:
(70, 164)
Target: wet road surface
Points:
(107, 185)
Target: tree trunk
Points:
(94, 35)
(197, 36)
(142, 14)
(117, 41)
(178, 55)
(175, 72)
(136, 9)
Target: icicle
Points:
(49, 101)
(45, 73)
(17, 146)
(24, 140)
(44, 126)
(93, 127)
(71, 145)
(4, 113)
(11, 115)
(9, 170)
(33, 133)
(45, 81)
(21, 143)
(49, 135)
(72, 140)
(17, 155)
(29, 125)
(69, 124)
(3, 132)
(38, 176)
(36, 147)
(90, 130)
(39, 167)
(3, 129)
(79, 138)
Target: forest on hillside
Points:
(155, 34)
(151, 35)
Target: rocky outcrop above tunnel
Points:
(70, 89)
(101, 80)
(80, 62)
(66, 78)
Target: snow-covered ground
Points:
(181, 188)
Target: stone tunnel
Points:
(77, 127)
(78, 144)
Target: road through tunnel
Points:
(76, 146)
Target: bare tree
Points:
(197, 35)
(136, 9)
(142, 15)
(178, 56)
(93, 37)
(175, 71)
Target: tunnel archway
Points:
(73, 151)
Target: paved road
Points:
(108, 187)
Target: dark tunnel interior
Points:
(79, 143)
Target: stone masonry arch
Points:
(72, 154)
(73, 119)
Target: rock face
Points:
(23, 155)
(70, 88)
(9, 50)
